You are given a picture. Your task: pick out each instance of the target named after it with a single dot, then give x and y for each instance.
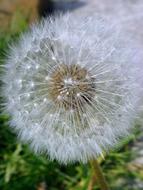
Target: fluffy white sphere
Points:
(72, 86)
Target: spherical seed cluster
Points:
(72, 86)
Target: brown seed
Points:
(70, 88)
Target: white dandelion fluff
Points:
(72, 86)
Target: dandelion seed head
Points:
(72, 89)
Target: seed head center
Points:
(71, 86)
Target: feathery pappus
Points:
(72, 86)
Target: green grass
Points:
(20, 169)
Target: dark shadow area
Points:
(45, 8)
(48, 7)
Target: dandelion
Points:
(72, 87)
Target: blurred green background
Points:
(20, 169)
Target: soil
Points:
(8, 8)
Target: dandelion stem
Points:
(97, 177)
